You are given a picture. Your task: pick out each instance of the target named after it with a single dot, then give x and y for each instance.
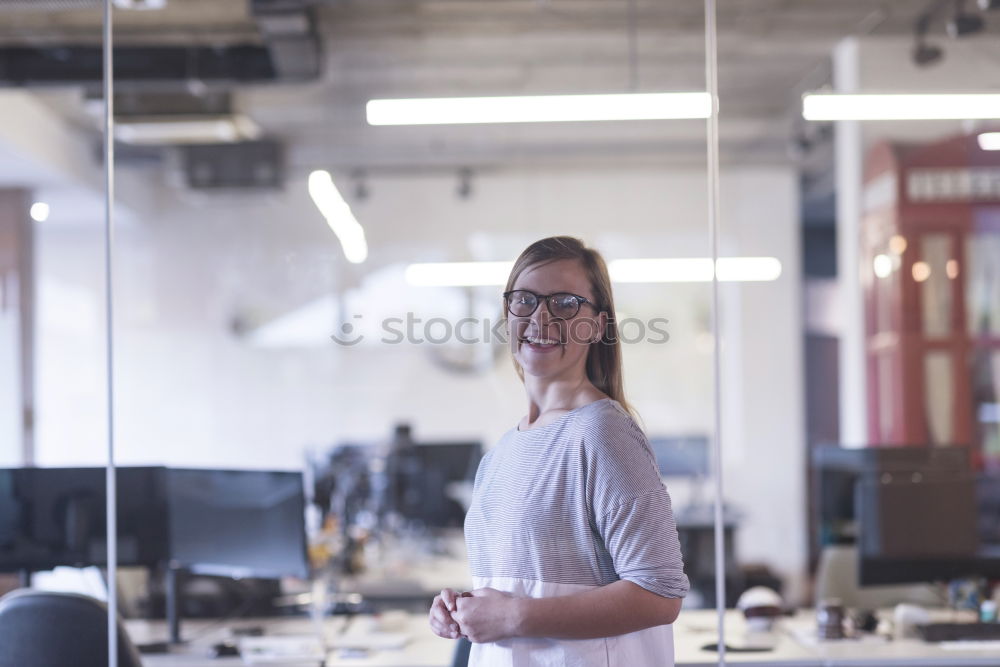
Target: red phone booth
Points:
(930, 270)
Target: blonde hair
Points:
(604, 358)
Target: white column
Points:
(849, 152)
(17, 308)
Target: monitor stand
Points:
(173, 608)
(172, 590)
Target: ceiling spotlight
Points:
(464, 188)
(360, 180)
(964, 23)
(926, 54)
(39, 211)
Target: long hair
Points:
(604, 358)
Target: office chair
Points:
(461, 656)
(46, 629)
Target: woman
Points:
(572, 543)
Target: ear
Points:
(602, 326)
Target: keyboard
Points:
(951, 632)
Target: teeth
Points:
(541, 341)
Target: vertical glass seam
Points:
(712, 149)
(111, 495)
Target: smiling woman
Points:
(572, 542)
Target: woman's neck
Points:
(554, 397)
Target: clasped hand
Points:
(482, 615)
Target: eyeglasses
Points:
(561, 305)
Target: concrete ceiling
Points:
(770, 51)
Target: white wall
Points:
(190, 392)
(10, 389)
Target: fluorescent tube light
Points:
(338, 215)
(458, 274)
(695, 269)
(989, 141)
(898, 106)
(161, 130)
(539, 109)
(682, 270)
(141, 5)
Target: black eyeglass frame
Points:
(539, 298)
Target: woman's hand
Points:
(487, 615)
(440, 615)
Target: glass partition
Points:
(312, 356)
(901, 485)
(313, 288)
(53, 407)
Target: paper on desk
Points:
(378, 641)
(810, 637)
(284, 650)
(971, 645)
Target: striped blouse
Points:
(570, 506)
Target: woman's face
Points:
(544, 345)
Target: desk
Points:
(693, 630)
(413, 578)
(423, 650)
(796, 646)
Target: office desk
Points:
(794, 646)
(423, 650)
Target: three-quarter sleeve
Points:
(632, 514)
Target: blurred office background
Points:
(230, 283)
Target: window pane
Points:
(932, 273)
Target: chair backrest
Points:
(47, 629)
(463, 647)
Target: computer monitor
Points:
(451, 461)
(921, 528)
(51, 517)
(988, 502)
(239, 523)
(426, 475)
(836, 471)
(681, 456)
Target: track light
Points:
(963, 23)
(464, 188)
(925, 54)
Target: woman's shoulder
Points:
(606, 411)
(607, 423)
(618, 452)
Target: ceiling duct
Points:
(81, 65)
(249, 164)
(46, 6)
(161, 119)
(286, 47)
(162, 103)
(288, 28)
